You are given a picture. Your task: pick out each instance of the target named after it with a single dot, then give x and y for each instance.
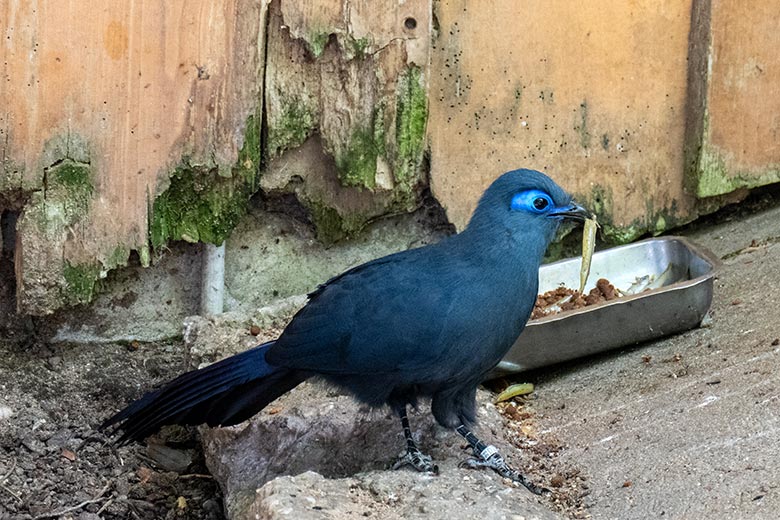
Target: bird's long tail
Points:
(224, 393)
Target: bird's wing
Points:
(376, 318)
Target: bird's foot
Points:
(491, 458)
(418, 460)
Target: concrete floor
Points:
(686, 427)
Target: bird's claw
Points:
(491, 458)
(418, 460)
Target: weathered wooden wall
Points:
(593, 94)
(738, 101)
(129, 123)
(604, 97)
(348, 81)
(101, 102)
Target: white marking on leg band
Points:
(488, 452)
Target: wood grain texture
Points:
(593, 95)
(740, 147)
(128, 89)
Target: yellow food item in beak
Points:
(588, 246)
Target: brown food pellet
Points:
(604, 291)
(254, 330)
(627, 483)
(606, 288)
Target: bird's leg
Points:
(487, 456)
(413, 456)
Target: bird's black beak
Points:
(573, 212)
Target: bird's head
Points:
(526, 205)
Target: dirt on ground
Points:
(53, 464)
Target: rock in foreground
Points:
(315, 454)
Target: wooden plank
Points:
(115, 93)
(352, 78)
(592, 93)
(741, 106)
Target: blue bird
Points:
(424, 323)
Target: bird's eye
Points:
(533, 201)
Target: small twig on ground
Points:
(105, 506)
(8, 473)
(5, 477)
(98, 498)
(196, 475)
(17, 497)
(116, 453)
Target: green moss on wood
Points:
(357, 47)
(66, 197)
(292, 128)
(600, 202)
(357, 165)
(715, 177)
(80, 282)
(197, 206)
(410, 119)
(74, 177)
(250, 155)
(396, 142)
(654, 222)
(317, 41)
(709, 173)
(354, 48)
(380, 135)
(118, 257)
(623, 234)
(200, 205)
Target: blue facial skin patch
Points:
(533, 201)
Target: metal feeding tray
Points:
(681, 272)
